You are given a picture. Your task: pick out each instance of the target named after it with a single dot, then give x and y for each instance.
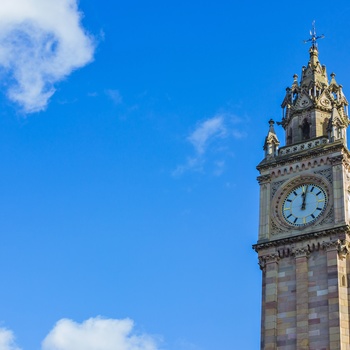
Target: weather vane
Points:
(313, 35)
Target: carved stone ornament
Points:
(325, 102)
(298, 157)
(327, 173)
(343, 249)
(333, 245)
(268, 259)
(275, 186)
(264, 179)
(301, 252)
(275, 229)
(318, 236)
(303, 102)
(262, 263)
(336, 160)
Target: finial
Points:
(271, 122)
(314, 37)
(295, 77)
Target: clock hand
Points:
(304, 197)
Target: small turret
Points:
(336, 128)
(271, 142)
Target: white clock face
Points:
(304, 204)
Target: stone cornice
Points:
(303, 155)
(300, 238)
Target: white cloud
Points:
(97, 334)
(7, 340)
(93, 334)
(41, 43)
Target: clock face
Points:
(304, 204)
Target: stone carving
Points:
(275, 230)
(303, 146)
(301, 252)
(295, 158)
(332, 245)
(343, 249)
(336, 160)
(325, 102)
(263, 179)
(275, 186)
(267, 259)
(262, 263)
(327, 173)
(341, 231)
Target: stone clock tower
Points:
(304, 226)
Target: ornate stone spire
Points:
(271, 142)
(309, 106)
(314, 74)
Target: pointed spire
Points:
(314, 74)
(271, 142)
(295, 81)
(314, 105)
(333, 82)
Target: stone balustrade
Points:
(283, 151)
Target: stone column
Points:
(270, 303)
(338, 189)
(343, 256)
(302, 298)
(262, 265)
(264, 216)
(333, 295)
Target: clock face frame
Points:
(304, 204)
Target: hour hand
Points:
(304, 198)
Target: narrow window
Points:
(343, 281)
(305, 130)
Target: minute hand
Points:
(304, 198)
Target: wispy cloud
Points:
(41, 43)
(208, 133)
(115, 96)
(93, 334)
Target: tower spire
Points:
(309, 105)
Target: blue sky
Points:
(129, 136)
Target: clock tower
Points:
(304, 225)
